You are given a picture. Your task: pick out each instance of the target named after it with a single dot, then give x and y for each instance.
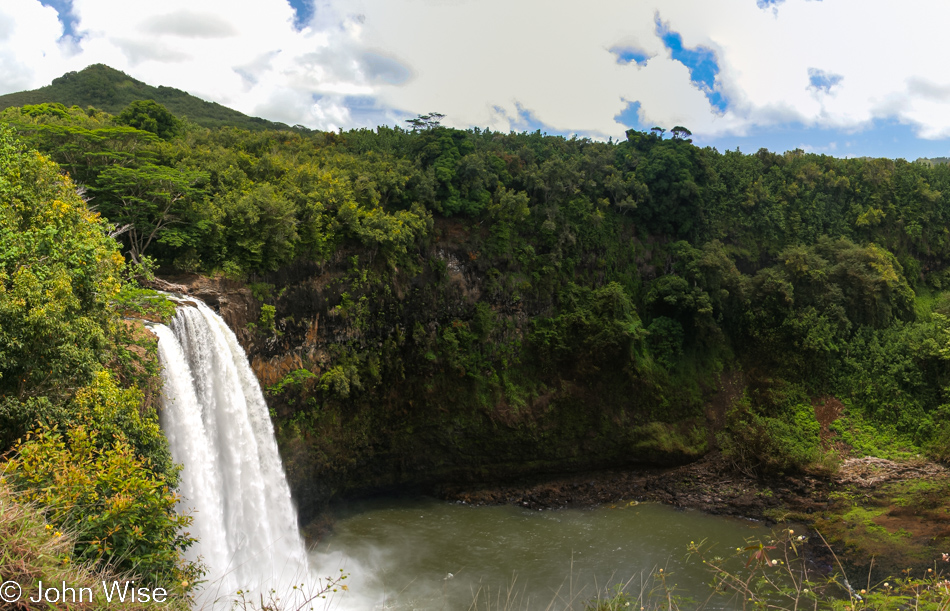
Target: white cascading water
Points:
(232, 481)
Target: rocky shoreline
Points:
(710, 484)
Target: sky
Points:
(840, 77)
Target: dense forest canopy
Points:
(643, 263)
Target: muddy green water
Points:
(425, 554)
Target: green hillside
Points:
(111, 90)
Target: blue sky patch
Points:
(630, 117)
(821, 80)
(361, 102)
(630, 55)
(527, 121)
(881, 138)
(64, 10)
(303, 12)
(367, 111)
(768, 3)
(701, 62)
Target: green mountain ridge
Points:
(110, 90)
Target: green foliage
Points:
(266, 321)
(121, 513)
(45, 110)
(115, 413)
(58, 275)
(96, 460)
(666, 340)
(674, 441)
(507, 277)
(339, 381)
(146, 201)
(135, 302)
(597, 329)
(259, 228)
(785, 442)
(36, 551)
(262, 291)
(295, 379)
(618, 600)
(866, 437)
(938, 445)
(150, 116)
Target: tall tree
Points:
(145, 201)
(150, 116)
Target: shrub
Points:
(122, 513)
(35, 550)
(762, 444)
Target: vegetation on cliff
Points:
(87, 451)
(546, 298)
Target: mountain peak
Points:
(112, 90)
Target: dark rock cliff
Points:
(382, 379)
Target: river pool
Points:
(425, 554)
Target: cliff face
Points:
(232, 300)
(382, 378)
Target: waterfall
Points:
(232, 481)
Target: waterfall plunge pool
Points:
(423, 554)
(418, 554)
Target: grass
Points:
(32, 551)
(868, 439)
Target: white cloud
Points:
(486, 62)
(191, 25)
(30, 47)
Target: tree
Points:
(150, 116)
(146, 200)
(260, 227)
(58, 273)
(425, 122)
(681, 133)
(83, 151)
(123, 513)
